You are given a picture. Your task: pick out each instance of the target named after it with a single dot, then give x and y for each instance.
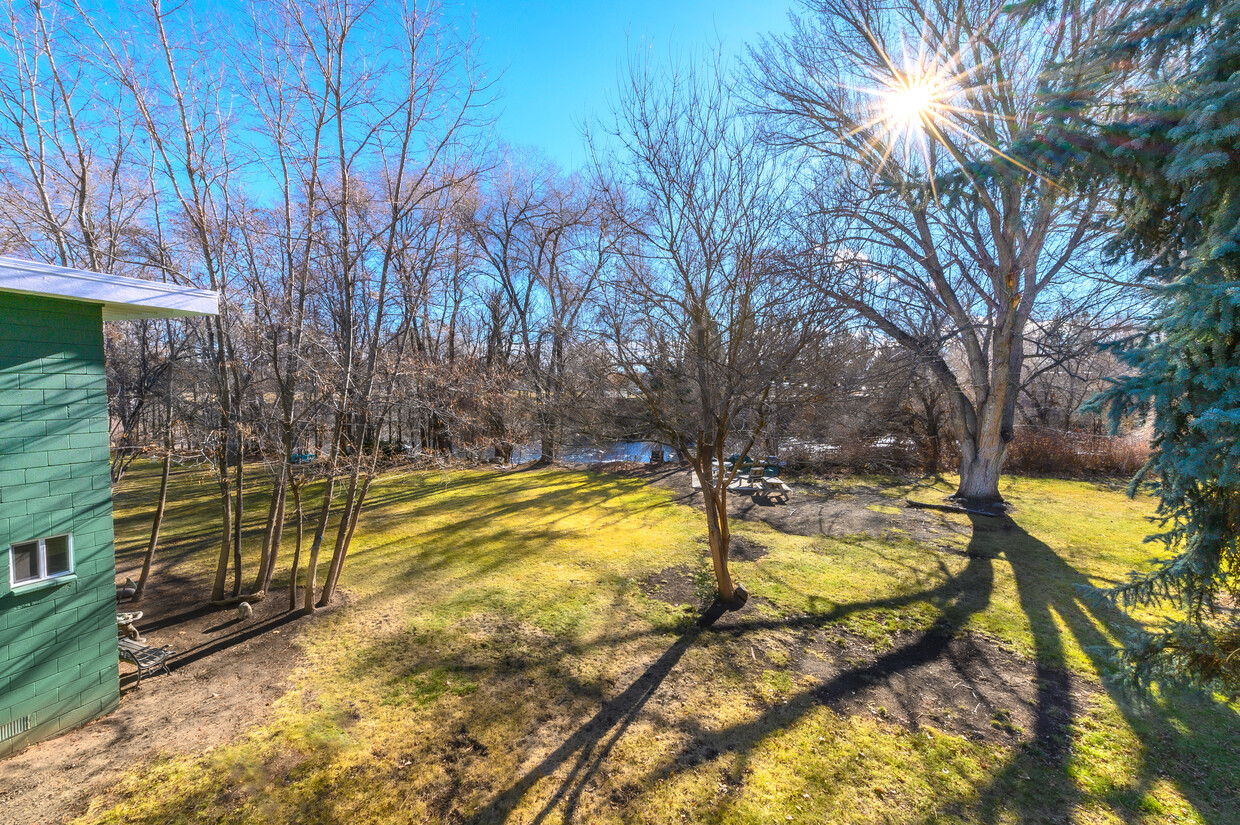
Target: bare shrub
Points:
(1043, 451)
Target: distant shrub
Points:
(1035, 451)
(1050, 452)
(895, 455)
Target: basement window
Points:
(40, 560)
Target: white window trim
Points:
(42, 561)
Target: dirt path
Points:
(223, 680)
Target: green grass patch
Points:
(499, 661)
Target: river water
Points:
(638, 451)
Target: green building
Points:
(58, 654)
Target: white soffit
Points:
(123, 299)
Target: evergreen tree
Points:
(1155, 109)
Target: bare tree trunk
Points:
(344, 533)
(221, 567)
(236, 591)
(720, 542)
(286, 478)
(547, 441)
(158, 521)
(272, 532)
(934, 444)
(984, 446)
(715, 493)
(278, 535)
(215, 337)
(320, 529)
(292, 579)
(312, 564)
(981, 463)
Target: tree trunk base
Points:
(739, 596)
(980, 506)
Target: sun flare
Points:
(919, 112)
(910, 102)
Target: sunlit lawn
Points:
(499, 660)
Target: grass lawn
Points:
(510, 653)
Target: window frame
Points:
(41, 561)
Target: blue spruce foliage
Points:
(1153, 112)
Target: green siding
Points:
(58, 659)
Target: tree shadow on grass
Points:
(1175, 737)
(1041, 781)
(586, 750)
(1044, 779)
(591, 745)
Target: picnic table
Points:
(761, 480)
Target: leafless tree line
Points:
(743, 268)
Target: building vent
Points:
(19, 725)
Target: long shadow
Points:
(1039, 780)
(593, 742)
(959, 598)
(196, 612)
(437, 548)
(188, 533)
(194, 654)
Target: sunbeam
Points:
(921, 103)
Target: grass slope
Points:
(501, 660)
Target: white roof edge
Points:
(123, 299)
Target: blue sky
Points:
(560, 59)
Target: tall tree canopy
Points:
(919, 221)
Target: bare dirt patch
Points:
(679, 585)
(813, 510)
(673, 585)
(963, 683)
(969, 686)
(224, 678)
(744, 549)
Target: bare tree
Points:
(1065, 366)
(70, 190)
(161, 504)
(919, 221)
(182, 106)
(400, 122)
(704, 317)
(544, 240)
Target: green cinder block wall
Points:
(58, 660)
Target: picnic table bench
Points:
(776, 485)
(144, 657)
(761, 480)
